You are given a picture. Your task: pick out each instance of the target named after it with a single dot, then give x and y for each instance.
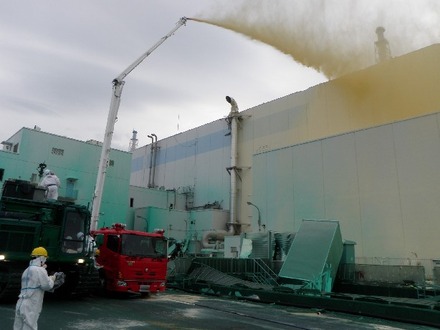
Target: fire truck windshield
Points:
(143, 246)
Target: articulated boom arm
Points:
(118, 84)
(124, 73)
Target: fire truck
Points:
(131, 261)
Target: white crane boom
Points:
(118, 84)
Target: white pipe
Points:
(219, 235)
(151, 161)
(234, 157)
(233, 117)
(154, 160)
(215, 235)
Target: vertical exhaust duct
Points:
(133, 141)
(219, 235)
(154, 159)
(383, 51)
(151, 161)
(233, 120)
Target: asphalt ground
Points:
(179, 310)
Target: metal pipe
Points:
(234, 157)
(383, 51)
(155, 159)
(259, 214)
(133, 141)
(215, 235)
(151, 160)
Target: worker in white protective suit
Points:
(80, 236)
(34, 282)
(51, 183)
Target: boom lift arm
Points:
(118, 84)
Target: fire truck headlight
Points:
(2, 257)
(81, 261)
(121, 283)
(146, 270)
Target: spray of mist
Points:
(334, 37)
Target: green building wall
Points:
(76, 164)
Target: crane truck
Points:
(130, 261)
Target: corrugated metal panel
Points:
(380, 183)
(308, 189)
(315, 254)
(417, 145)
(261, 245)
(270, 245)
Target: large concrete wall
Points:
(290, 146)
(194, 161)
(381, 183)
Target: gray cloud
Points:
(58, 59)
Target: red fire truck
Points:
(131, 261)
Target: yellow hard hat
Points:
(39, 251)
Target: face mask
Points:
(42, 260)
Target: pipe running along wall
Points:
(219, 235)
(233, 118)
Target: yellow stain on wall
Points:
(395, 90)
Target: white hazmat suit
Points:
(51, 183)
(34, 282)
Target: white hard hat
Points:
(46, 172)
(79, 235)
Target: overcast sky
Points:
(58, 58)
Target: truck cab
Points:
(131, 261)
(28, 220)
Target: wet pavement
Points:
(179, 310)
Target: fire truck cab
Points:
(131, 261)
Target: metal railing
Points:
(254, 270)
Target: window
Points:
(75, 223)
(113, 242)
(57, 151)
(71, 192)
(2, 172)
(99, 239)
(143, 246)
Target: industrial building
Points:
(74, 162)
(362, 149)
